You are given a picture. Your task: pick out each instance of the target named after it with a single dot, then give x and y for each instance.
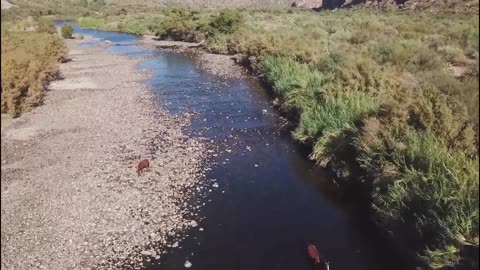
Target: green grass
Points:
(287, 75)
(434, 198)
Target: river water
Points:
(271, 200)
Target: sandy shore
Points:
(70, 196)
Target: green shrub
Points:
(182, 24)
(67, 31)
(227, 22)
(133, 25)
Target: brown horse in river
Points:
(315, 255)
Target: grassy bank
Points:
(389, 100)
(29, 62)
(379, 102)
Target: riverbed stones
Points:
(146, 253)
(74, 184)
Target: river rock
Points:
(146, 253)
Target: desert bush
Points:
(453, 55)
(29, 61)
(46, 26)
(67, 31)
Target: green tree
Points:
(67, 31)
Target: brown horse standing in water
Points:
(315, 255)
(142, 165)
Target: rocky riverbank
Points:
(218, 64)
(70, 195)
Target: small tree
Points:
(227, 22)
(67, 31)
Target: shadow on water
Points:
(271, 200)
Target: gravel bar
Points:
(70, 195)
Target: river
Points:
(271, 200)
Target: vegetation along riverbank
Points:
(387, 99)
(29, 61)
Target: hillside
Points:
(427, 5)
(449, 6)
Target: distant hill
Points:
(429, 5)
(450, 6)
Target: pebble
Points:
(146, 253)
(215, 185)
(175, 245)
(193, 223)
(187, 264)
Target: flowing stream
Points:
(271, 200)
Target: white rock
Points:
(146, 253)
(187, 264)
(193, 223)
(201, 229)
(175, 245)
(215, 185)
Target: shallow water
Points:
(271, 200)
